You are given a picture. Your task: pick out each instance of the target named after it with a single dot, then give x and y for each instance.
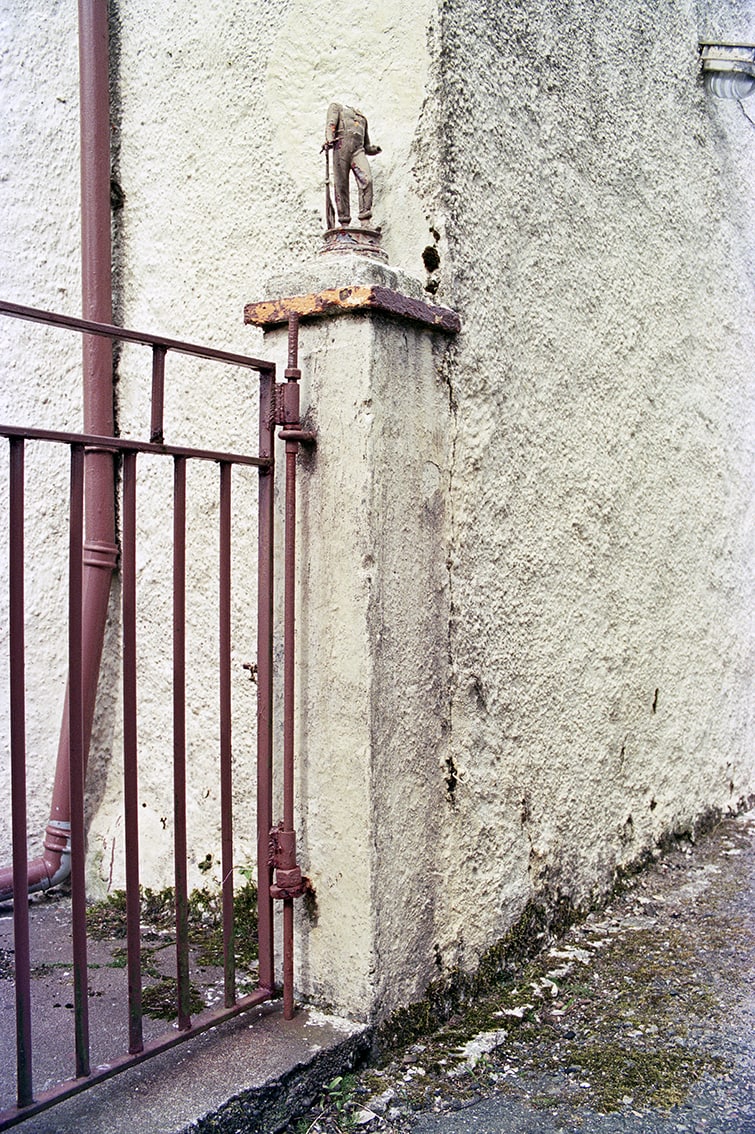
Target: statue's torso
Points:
(353, 126)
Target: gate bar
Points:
(179, 742)
(158, 393)
(266, 504)
(18, 774)
(76, 746)
(70, 1087)
(130, 773)
(288, 713)
(226, 772)
(126, 445)
(108, 331)
(289, 881)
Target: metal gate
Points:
(276, 850)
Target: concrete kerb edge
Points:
(269, 1108)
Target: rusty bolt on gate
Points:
(289, 882)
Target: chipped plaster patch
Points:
(480, 1045)
(317, 1019)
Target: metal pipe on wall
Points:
(100, 550)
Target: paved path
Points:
(656, 1013)
(641, 1020)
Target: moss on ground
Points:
(661, 1077)
(460, 990)
(106, 921)
(159, 1000)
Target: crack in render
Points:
(447, 370)
(740, 104)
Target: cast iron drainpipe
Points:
(100, 551)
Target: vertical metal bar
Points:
(18, 775)
(291, 419)
(77, 769)
(130, 772)
(289, 599)
(266, 505)
(293, 341)
(289, 619)
(179, 740)
(156, 434)
(226, 780)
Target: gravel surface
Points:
(642, 1018)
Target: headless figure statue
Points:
(346, 135)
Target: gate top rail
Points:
(108, 331)
(126, 445)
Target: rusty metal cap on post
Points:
(344, 300)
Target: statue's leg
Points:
(341, 169)
(363, 174)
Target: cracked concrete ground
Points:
(641, 1019)
(247, 1074)
(53, 995)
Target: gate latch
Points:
(288, 877)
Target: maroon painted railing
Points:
(128, 452)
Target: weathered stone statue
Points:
(347, 138)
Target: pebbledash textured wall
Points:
(598, 241)
(588, 589)
(40, 376)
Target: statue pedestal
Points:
(355, 241)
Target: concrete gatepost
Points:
(372, 687)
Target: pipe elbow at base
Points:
(50, 869)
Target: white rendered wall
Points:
(598, 222)
(594, 216)
(39, 380)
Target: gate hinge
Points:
(282, 857)
(286, 412)
(279, 413)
